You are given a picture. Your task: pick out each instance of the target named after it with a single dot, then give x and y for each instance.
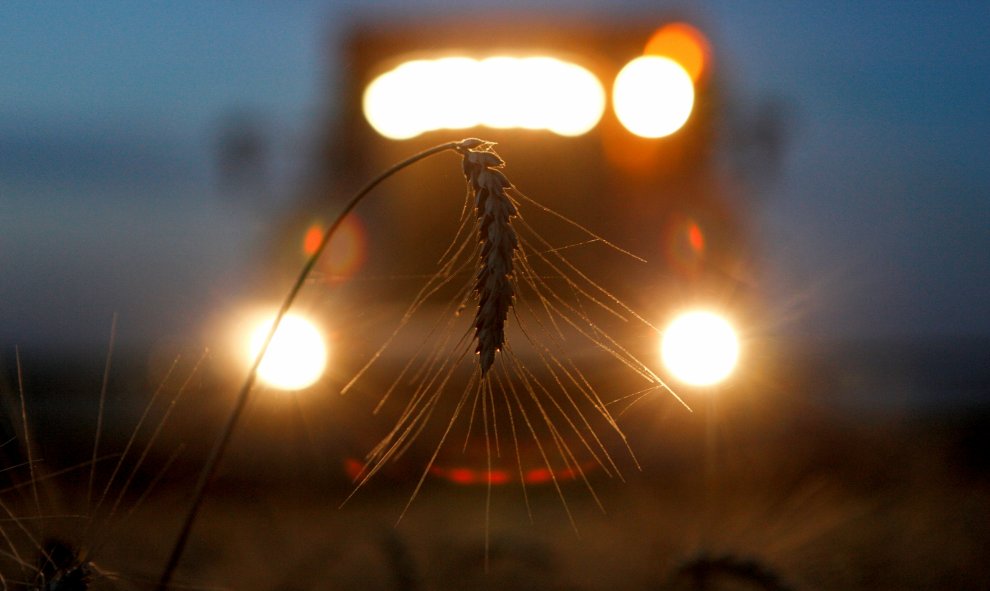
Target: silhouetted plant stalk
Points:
(208, 473)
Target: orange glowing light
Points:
(467, 476)
(353, 468)
(314, 235)
(684, 244)
(463, 476)
(695, 238)
(346, 252)
(498, 477)
(538, 476)
(684, 44)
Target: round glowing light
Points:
(395, 118)
(684, 44)
(296, 357)
(499, 92)
(653, 96)
(700, 348)
(346, 252)
(312, 239)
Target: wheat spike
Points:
(498, 247)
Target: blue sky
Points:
(876, 225)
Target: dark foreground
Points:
(778, 492)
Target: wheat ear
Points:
(498, 247)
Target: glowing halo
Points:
(653, 96)
(296, 357)
(519, 92)
(700, 348)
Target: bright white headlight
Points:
(296, 357)
(653, 96)
(700, 348)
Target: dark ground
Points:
(783, 485)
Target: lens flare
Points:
(296, 357)
(527, 93)
(653, 96)
(683, 244)
(347, 250)
(700, 348)
(312, 239)
(683, 44)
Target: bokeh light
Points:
(312, 239)
(347, 251)
(498, 92)
(683, 44)
(296, 357)
(700, 348)
(683, 244)
(653, 96)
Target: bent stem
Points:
(220, 446)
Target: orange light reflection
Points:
(314, 235)
(683, 244)
(685, 45)
(464, 476)
(695, 238)
(346, 252)
(534, 476)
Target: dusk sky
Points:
(877, 223)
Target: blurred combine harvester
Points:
(549, 92)
(618, 125)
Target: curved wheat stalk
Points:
(220, 446)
